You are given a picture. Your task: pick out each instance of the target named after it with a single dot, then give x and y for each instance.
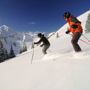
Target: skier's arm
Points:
(41, 45)
(38, 41)
(68, 31)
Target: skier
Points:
(46, 43)
(75, 28)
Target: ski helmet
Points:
(39, 34)
(67, 14)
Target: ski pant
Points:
(45, 47)
(74, 41)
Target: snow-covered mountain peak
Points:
(4, 28)
(17, 40)
(5, 31)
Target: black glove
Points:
(34, 43)
(41, 45)
(74, 26)
(67, 32)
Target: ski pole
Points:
(81, 40)
(86, 38)
(32, 52)
(85, 42)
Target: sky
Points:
(39, 15)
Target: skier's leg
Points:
(45, 47)
(74, 42)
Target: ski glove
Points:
(41, 45)
(67, 32)
(34, 43)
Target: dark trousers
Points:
(45, 47)
(74, 41)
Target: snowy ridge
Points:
(15, 39)
(85, 19)
(60, 69)
(5, 30)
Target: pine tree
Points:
(1, 44)
(11, 54)
(23, 49)
(3, 54)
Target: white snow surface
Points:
(60, 69)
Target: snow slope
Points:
(60, 69)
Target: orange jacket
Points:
(72, 21)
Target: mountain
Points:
(60, 69)
(15, 39)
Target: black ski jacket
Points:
(44, 40)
